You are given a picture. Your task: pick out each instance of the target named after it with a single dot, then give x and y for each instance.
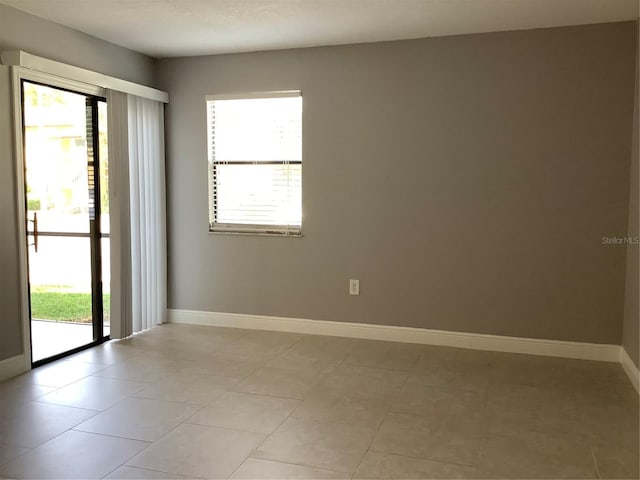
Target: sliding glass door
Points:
(66, 188)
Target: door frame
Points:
(18, 74)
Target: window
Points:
(255, 163)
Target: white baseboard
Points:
(476, 341)
(630, 368)
(12, 366)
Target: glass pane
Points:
(56, 159)
(104, 166)
(60, 287)
(259, 194)
(106, 285)
(258, 129)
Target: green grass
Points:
(52, 302)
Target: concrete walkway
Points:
(50, 338)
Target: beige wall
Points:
(466, 181)
(35, 35)
(631, 337)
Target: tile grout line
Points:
(150, 470)
(61, 433)
(72, 429)
(379, 427)
(186, 422)
(487, 399)
(109, 436)
(29, 450)
(425, 459)
(391, 411)
(150, 444)
(299, 400)
(253, 450)
(134, 455)
(96, 412)
(292, 464)
(322, 376)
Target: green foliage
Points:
(42, 96)
(33, 204)
(49, 304)
(68, 196)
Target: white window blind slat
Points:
(255, 163)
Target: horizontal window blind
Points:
(255, 163)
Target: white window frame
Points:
(32, 68)
(249, 229)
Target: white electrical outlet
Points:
(354, 287)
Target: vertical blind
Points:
(255, 163)
(147, 210)
(119, 214)
(137, 213)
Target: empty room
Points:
(319, 239)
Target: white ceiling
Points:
(169, 28)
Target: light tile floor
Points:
(203, 402)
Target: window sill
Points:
(257, 234)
